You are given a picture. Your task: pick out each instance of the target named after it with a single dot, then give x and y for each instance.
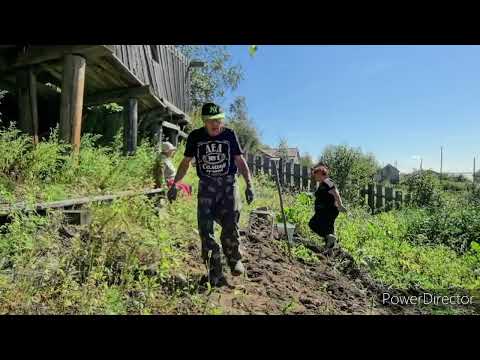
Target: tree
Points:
(209, 83)
(350, 169)
(306, 160)
(283, 149)
(239, 120)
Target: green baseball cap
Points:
(211, 111)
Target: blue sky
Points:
(398, 102)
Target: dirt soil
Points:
(276, 284)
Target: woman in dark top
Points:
(328, 203)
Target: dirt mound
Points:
(277, 284)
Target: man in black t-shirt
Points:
(218, 156)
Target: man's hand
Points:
(249, 195)
(172, 193)
(342, 208)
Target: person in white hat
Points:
(168, 169)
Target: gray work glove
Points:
(172, 193)
(249, 194)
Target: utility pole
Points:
(421, 163)
(441, 162)
(474, 171)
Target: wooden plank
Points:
(251, 162)
(371, 197)
(281, 172)
(296, 176)
(164, 65)
(258, 165)
(40, 54)
(115, 95)
(305, 179)
(389, 198)
(380, 204)
(288, 173)
(72, 99)
(266, 165)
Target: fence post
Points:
(266, 165)
(398, 199)
(363, 194)
(258, 165)
(371, 197)
(389, 198)
(380, 204)
(251, 163)
(288, 173)
(306, 179)
(296, 176)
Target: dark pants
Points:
(323, 222)
(218, 201)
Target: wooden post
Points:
(27, 102)
(398, 199)
(258, 165)
(371, 197)
(296, 176)
(273, 165)
(363, 194)
(266, 165)
(73, 85)
(131, 124)
(251, 163)
(380, 204)
(305, 179)
(389, 198)
(288, 171)
(408, 198)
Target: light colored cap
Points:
(167, 146)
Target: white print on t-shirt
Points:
(213, 157)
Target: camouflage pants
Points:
(219, 201)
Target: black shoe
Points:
(217, 280)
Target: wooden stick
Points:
(281, 208)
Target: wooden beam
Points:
(131, 127)
(73, 86)
(117, 95)
(169, 125)
(27, 102)
(41, 54)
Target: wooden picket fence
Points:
(383, 198)
(291, 176)
(298, 178)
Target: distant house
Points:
(293, 154)
(389, 173)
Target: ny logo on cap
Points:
(213, 109)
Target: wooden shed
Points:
(53, 84)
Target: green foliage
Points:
(306, 160)
(454, 224)
(350, 169)
(48, 171)
(423, 187)
(239, 120)
(219, 75)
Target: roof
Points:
(292, 152)
(391, 166)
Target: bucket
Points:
(290, 231)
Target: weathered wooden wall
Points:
(163, 67)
